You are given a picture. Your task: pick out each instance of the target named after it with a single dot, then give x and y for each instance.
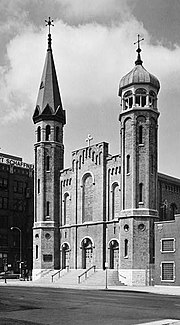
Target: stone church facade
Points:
(103, 208)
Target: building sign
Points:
(15, 162)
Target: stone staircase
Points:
(98, 278)
(69, 278)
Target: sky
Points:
(93, 48)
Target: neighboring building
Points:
(103, 208)
(167, 241)
(16, 211)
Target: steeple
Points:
(49, 104)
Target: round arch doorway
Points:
(114, 254)
(65, 255)
(87, 253)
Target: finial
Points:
(138, 61)
(49, 23)
(89, 139)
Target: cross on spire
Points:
(49, 23)
(138, 61)
(89, 139)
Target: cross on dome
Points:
(138, 61)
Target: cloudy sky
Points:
(93, 48)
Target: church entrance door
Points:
(65, 255)
(114, 254)
(87, 253)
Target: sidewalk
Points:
(164, 290)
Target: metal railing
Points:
(86, 272)
(59, 272)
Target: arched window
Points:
(47, 208)
(47, 163)
(38, 185)
(38, 134)
(37, 252)
(141, 192)
(152, 164)
(128, 164)
(66, 209)
(48, 132)
(140, 97)
(126, 246)
(93, 154)
(100, 158)
(57, 133)
(80, 161)
(128, 99)
(152, 99)
(115, 200)
(140, 134)
(87, 198)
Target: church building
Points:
(102, 209)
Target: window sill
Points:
(162, 252)
(141, 144)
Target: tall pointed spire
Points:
(49, 104)
(138, 61)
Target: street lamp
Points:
(20, 246)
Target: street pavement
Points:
(29, 303)
(157, 289)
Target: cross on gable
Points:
(89, 139)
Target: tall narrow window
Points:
(37, 252)
(38, 134)
(141, 192)
(38, 185)
(140, 134)
(126, 248)
(47, 163)
(47, 208)
(152, 160)
(128, 164)
(57, 133)
(48, 132)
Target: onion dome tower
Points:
(49, 118)
(138, 91)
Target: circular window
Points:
(36, 236)
(47, 235)
(126, 227)
(141, 227)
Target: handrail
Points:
(122, 276)
(86, 272)
(59, 271)
(43, 272)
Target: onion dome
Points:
(138, 75)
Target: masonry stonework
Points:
(103, 208)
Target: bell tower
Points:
(49, 119)
(138, 91)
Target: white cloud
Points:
(90, 60)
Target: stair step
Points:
(97, 278)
